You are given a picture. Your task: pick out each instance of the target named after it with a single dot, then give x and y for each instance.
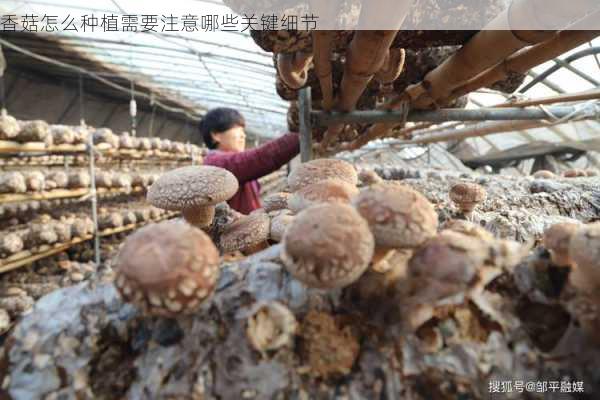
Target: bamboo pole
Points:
(63, 194)
(476, 130)
(593, 94)
(525, 60)
(486, 49)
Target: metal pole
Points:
(443, 115)
(94, 198)
(304, 106)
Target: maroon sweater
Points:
(249, 165)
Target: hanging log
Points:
(526, 59)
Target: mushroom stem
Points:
(200, 217)
(381, 256)
(293, 68)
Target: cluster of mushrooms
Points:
(332, 235)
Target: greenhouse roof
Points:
(206, 68)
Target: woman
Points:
(223, 131)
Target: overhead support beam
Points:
(321, 118)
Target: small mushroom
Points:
(325, 191)
(556, 240)
(167, 269)
(574, 173)
(544, 174)
(276, 201)
(271, 326)
(467, 196)
(248, 234)
(368, 177)
(193, 190)
(327, 246)
(320, 169)
(399, 217)
(35, 181)
(584, 250)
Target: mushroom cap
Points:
(574, 173)
(320, 169)
(325, 191)
(327, 246)
(275, 201)
(399, 216)
(192, 186)
(369, 177)
(591, 172)
(544, 174)
(245, 233)
(584, 249)
(167, 268)
(556, 239)
(467, 193)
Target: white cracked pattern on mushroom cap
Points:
(325, 191)
(328, 246)
(320, 169)
(399, 216)
(246, 232)
(192, 186)
(169, 262)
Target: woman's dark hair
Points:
(219, 120)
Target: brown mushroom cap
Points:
(544, 174)
(275, 201)
(369, 177)
(246, 233)
(194, 190)
(574, 173)
(399, 216)
(327, 246)
(467, 195)
(556, 240)
(325, 191)
(193, 186)
(320, 169)
(591, 172)
(167, 268)
(584, 249)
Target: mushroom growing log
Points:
(9, 127)
(33, 131)
(12, 182)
